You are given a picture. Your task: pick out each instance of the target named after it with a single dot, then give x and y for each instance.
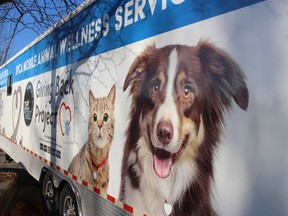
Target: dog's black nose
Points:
(165, 132)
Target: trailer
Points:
(81, 77)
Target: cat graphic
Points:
(91, 163)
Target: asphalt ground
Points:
(20, 194)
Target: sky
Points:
(22, 40)
(26, 36)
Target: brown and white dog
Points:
(179, 97)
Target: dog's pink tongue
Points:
(162, 166)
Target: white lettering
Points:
(152, 4)
(177, 1)
(139, 10)
(30, 63)
(134, 11)
(91, 32)
(98, 28)
(63, 46)
(84, 35)
(128, 13)
(164, 4)
(105, 25)
(19, 69)
(119, 19)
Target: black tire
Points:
(49, 196)
(67, 202)
(8, 158)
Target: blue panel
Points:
(105, 26)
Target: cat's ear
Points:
(91, 97)
(112, 94)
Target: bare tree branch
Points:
(5, 1)
(38, 16)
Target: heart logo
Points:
(65, 119)
(16, 104)
(167, 208)
(1, 106)
(16, 110)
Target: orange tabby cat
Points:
(91, 163)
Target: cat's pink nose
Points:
(100, 124)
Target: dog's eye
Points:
(186, 92)
(156, 87)
(95, 117)
(106, 117)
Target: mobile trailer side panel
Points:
(45, 121)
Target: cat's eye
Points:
(95, 117)
(187, 92)
(106, 117)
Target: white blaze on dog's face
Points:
(171, 119)
(165, 134)
(172, 131)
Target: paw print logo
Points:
(67, 127)
(65, 119)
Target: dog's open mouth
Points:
(163, 160)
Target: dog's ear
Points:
(136, 72)
(226, 74)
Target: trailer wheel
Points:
(67, 202)
(49, 195)
(8, 158)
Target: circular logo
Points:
(28, 103)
